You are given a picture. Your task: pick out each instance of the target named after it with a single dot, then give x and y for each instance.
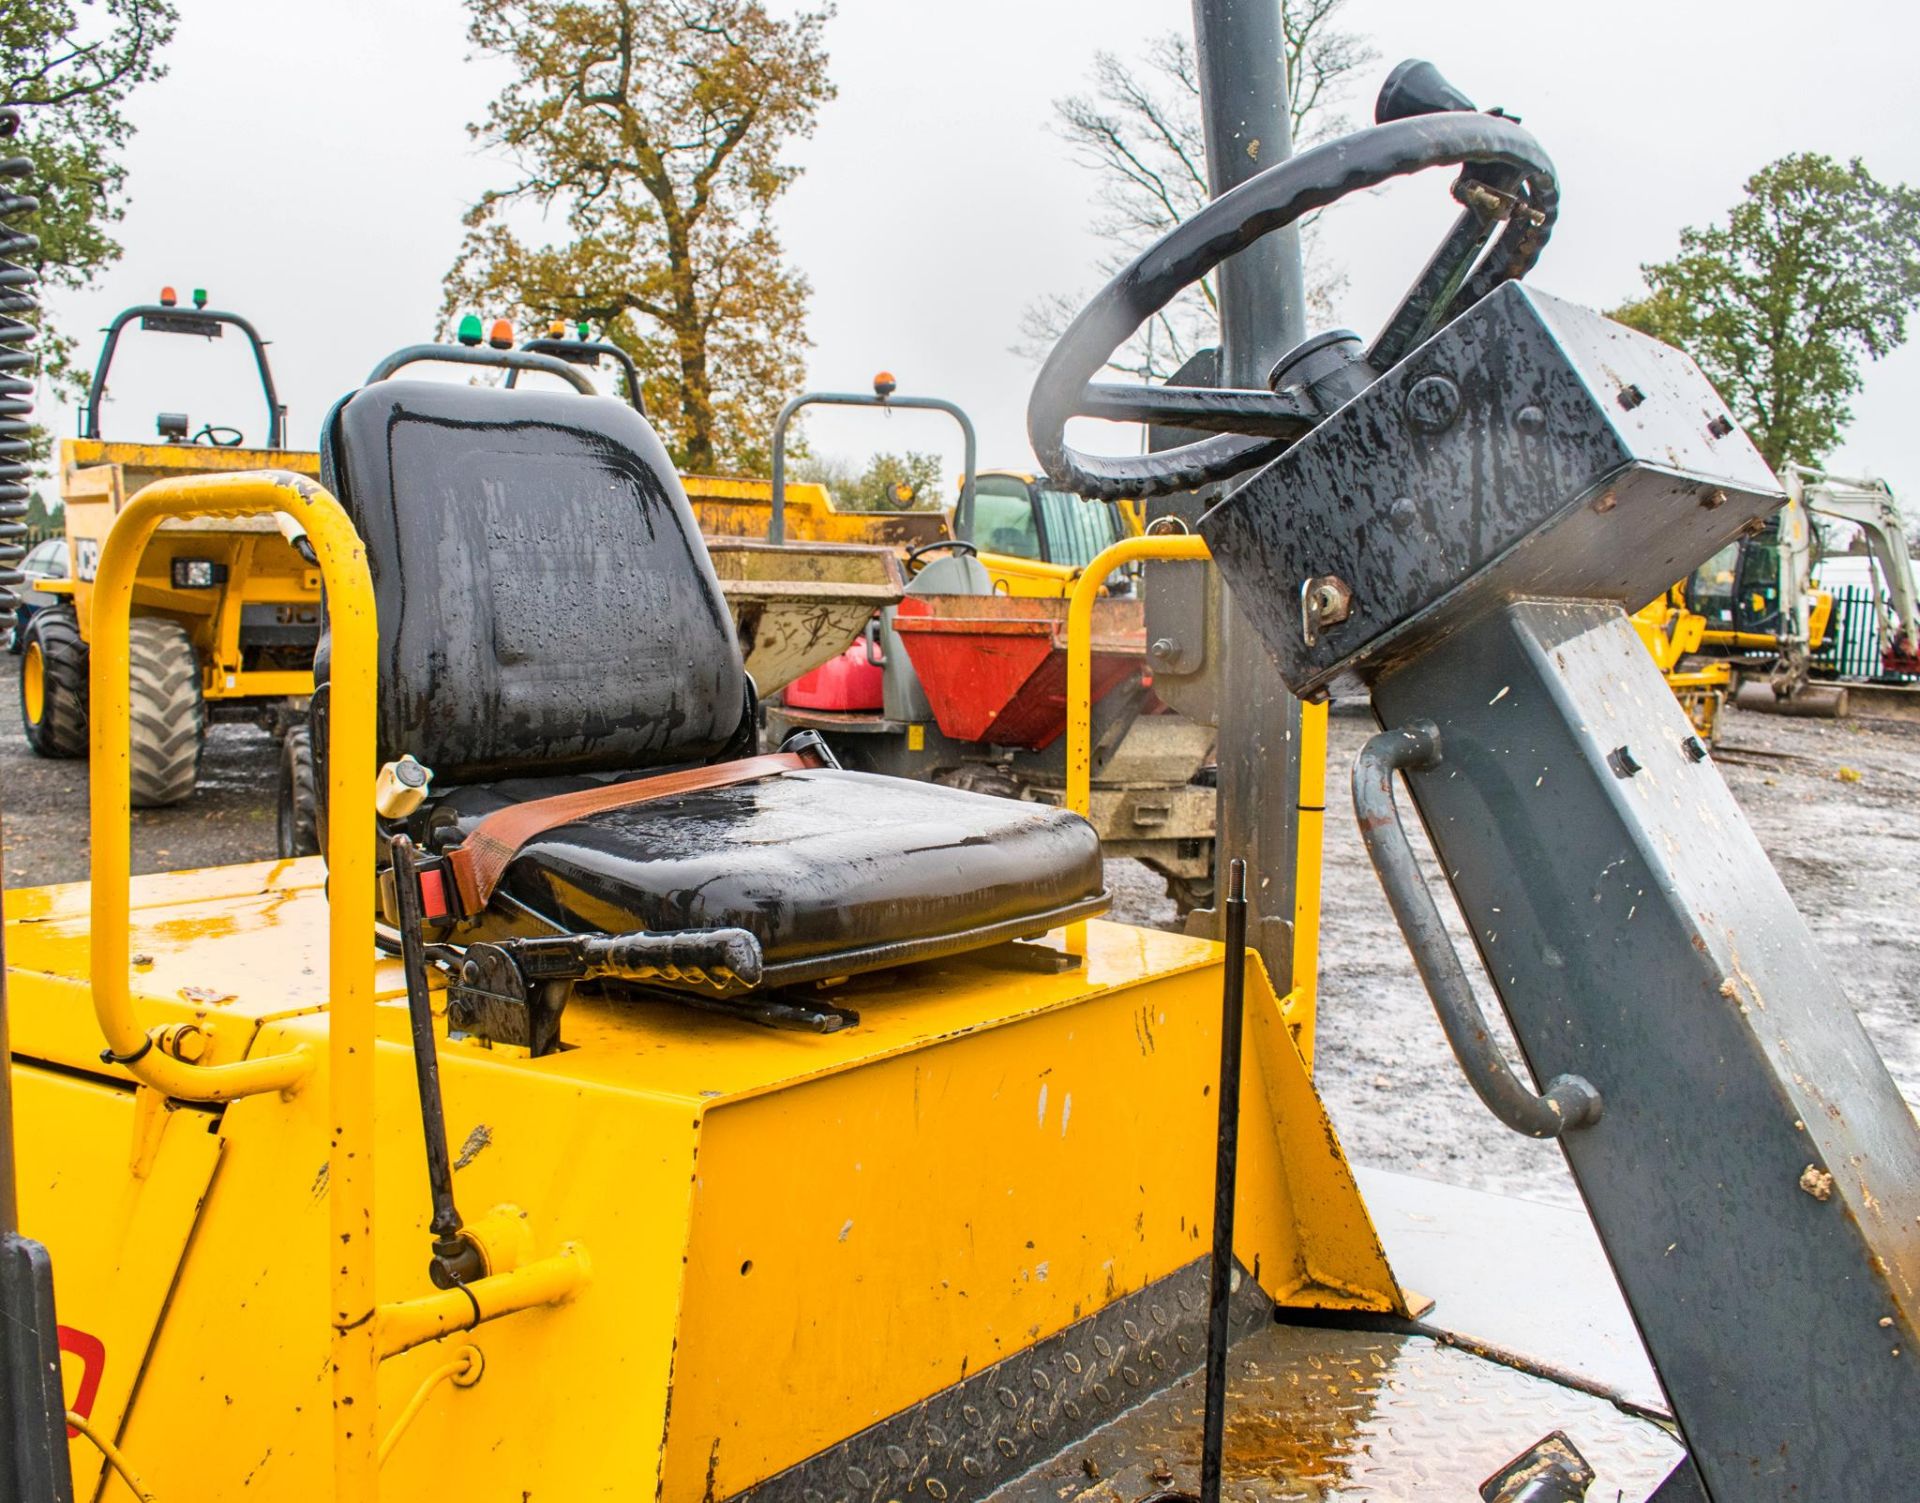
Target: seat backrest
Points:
(545, 601)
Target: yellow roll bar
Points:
(1174, 546)
(350, 952)
(1186, 547)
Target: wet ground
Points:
(44, 804)
(1836, 805)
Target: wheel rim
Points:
(33, 683)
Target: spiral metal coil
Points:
(19, 301)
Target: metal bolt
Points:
(1720, 426)
(1623, 762)
(1403, 514)
(1631, 396)
(1605, 503)
(187, 1043)
(1433, 402)
(1530, 419)
(1714, 499)
(1162, 649)
(1694, 749)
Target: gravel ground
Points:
(229, 818)
(1847, 846)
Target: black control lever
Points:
(456, 1258)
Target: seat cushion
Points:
(545, 602)
(834, 872)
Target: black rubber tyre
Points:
(169, 717)
(299, 815)
(53, 684)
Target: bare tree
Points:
(1139, 131)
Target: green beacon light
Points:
(199, 297)
(471, 331)
(581, 329)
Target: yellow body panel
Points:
(124, 1179)
(739, 1193)
(1028, 577)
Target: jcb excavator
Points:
(615, 1111)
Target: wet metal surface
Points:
(1530, 477)
(545, 600)
(1636, 934)
(1005, 1419)
(1317, 1415)
(1479, 1256)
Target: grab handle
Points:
(1570, 1100)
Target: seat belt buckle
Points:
(439, 896)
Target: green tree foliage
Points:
(1817, 267)
(655, 128)
(68, 68)
(912, 481)
(44, 520)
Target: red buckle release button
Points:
(433, 895)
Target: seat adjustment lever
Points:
(726, 960)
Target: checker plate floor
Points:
(1317, 1414)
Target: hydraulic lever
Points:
(456, 1259)
(1226, 1167)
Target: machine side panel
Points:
(865, 1241)
(1530, 447)
(119, 1236)
(244, 1348)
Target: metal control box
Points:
(1530, 448)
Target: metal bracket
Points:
(1570, 1100)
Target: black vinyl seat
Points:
(549, 621)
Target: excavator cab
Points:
(1738, 589)
(1034, 539)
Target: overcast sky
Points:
(307, 162)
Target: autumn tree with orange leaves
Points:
(653, 131)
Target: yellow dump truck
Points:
(226, 609)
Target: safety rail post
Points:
(350, 950)
(963, 509)
(1183, 547)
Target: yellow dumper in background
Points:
(226, 611)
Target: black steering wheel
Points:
(211, 433)
(938, 545)
(1507, 179)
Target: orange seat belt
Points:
(481, 859)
